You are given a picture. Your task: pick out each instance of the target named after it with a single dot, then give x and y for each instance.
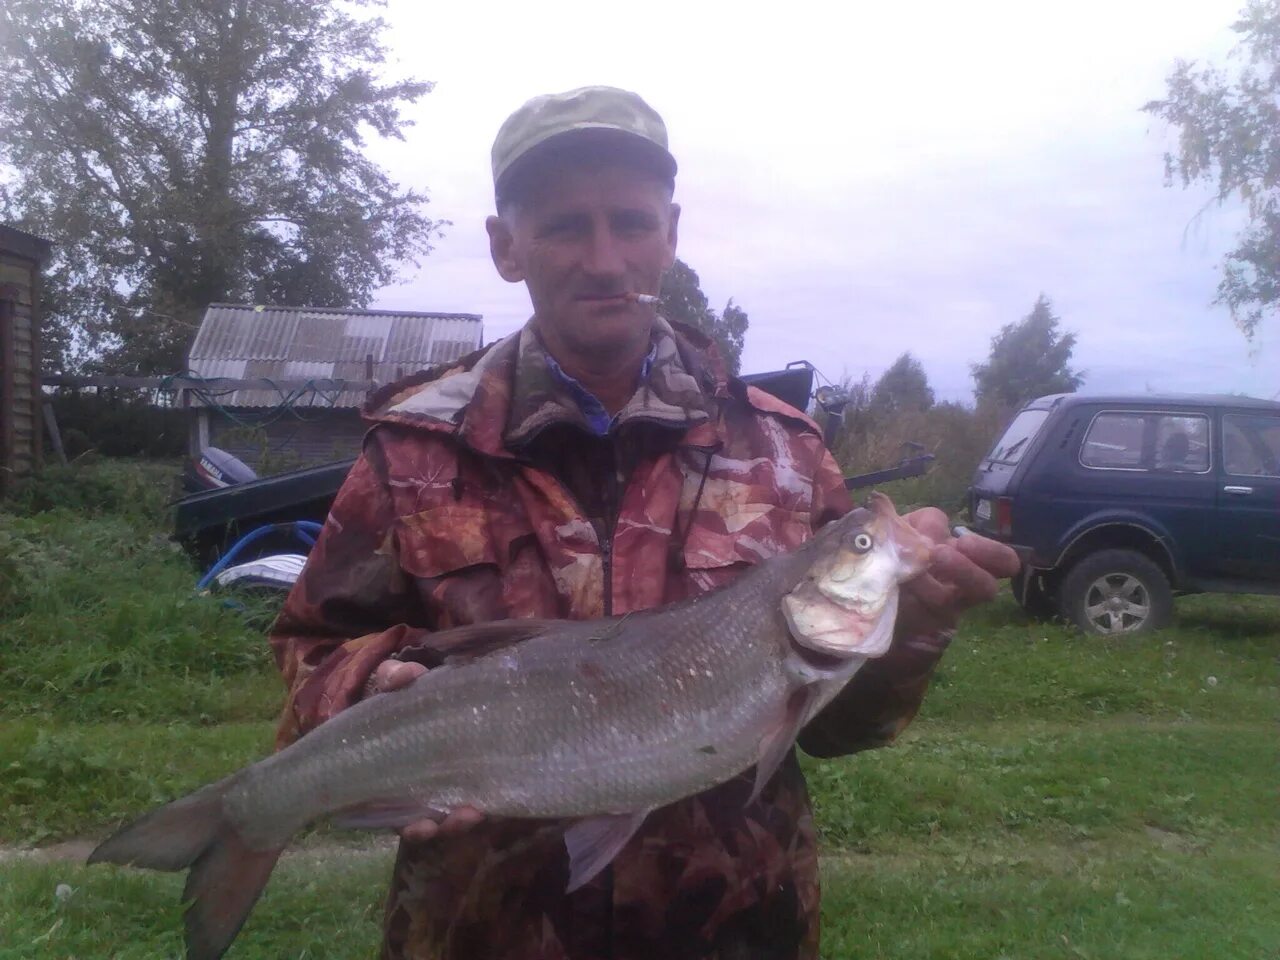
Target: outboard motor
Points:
(215, 468)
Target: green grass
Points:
(111, 914)
(65, 780)
(1059, 796)
(1052, 781)
(98, 620)
(1129, 897)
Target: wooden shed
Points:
(21, 258)
(273, 429)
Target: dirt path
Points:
(317, 848)
(64, 852)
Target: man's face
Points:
(581, 240)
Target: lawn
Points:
(1058, 796)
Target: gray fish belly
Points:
(582, 721)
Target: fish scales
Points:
(589, 743)
(599, 721)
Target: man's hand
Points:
(964, 573)
(396, 675)
(885, 694)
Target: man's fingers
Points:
(930, 592)
(931, 522)
(420, 831)
(927, 606)
(953, 584)
(456, 821)
(464, 818)
(973, 584)
(996, 558)
(394, 675)
(963, 573)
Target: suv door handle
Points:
(1238, 491)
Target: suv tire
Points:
(1116, 591)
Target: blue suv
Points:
(1122, 502)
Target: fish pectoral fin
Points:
(595, 841)
(777, 741)
(386, 814)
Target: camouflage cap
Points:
(598, 116)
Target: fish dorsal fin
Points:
(595, 841)
(777, 741)
(475, 640)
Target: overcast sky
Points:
(866, 179)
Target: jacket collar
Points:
(498, 399)
(670, 395)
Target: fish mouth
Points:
(824, 620)
(823, 660)
(859, 606)
(820, 626)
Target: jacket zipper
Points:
(606, 549)
(613, 508)
(606, 555)
(605, 539)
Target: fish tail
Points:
(227, 875)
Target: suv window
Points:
(1018, 436)
(1123, 440)
(1182, 444)
(1114, 442)
(1251, 445)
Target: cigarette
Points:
(644, 298)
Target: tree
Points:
(181, 152)
(1028, 359)
(1230, 132)
(904, 386)
(683, 300)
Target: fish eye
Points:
(863, 542)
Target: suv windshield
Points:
(1013, 444)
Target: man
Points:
(596, 462)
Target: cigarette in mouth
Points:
(644, 298)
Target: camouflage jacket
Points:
(484, 493)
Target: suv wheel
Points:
(1034, 594)
(1116, 591)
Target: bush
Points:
(139, 491)
(956, 435)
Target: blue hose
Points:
(304, 530)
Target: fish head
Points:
(846, 604)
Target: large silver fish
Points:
(595, 721)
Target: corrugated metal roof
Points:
(292, 343)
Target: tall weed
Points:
(139, 490)
(956, 435)
(98, 616)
